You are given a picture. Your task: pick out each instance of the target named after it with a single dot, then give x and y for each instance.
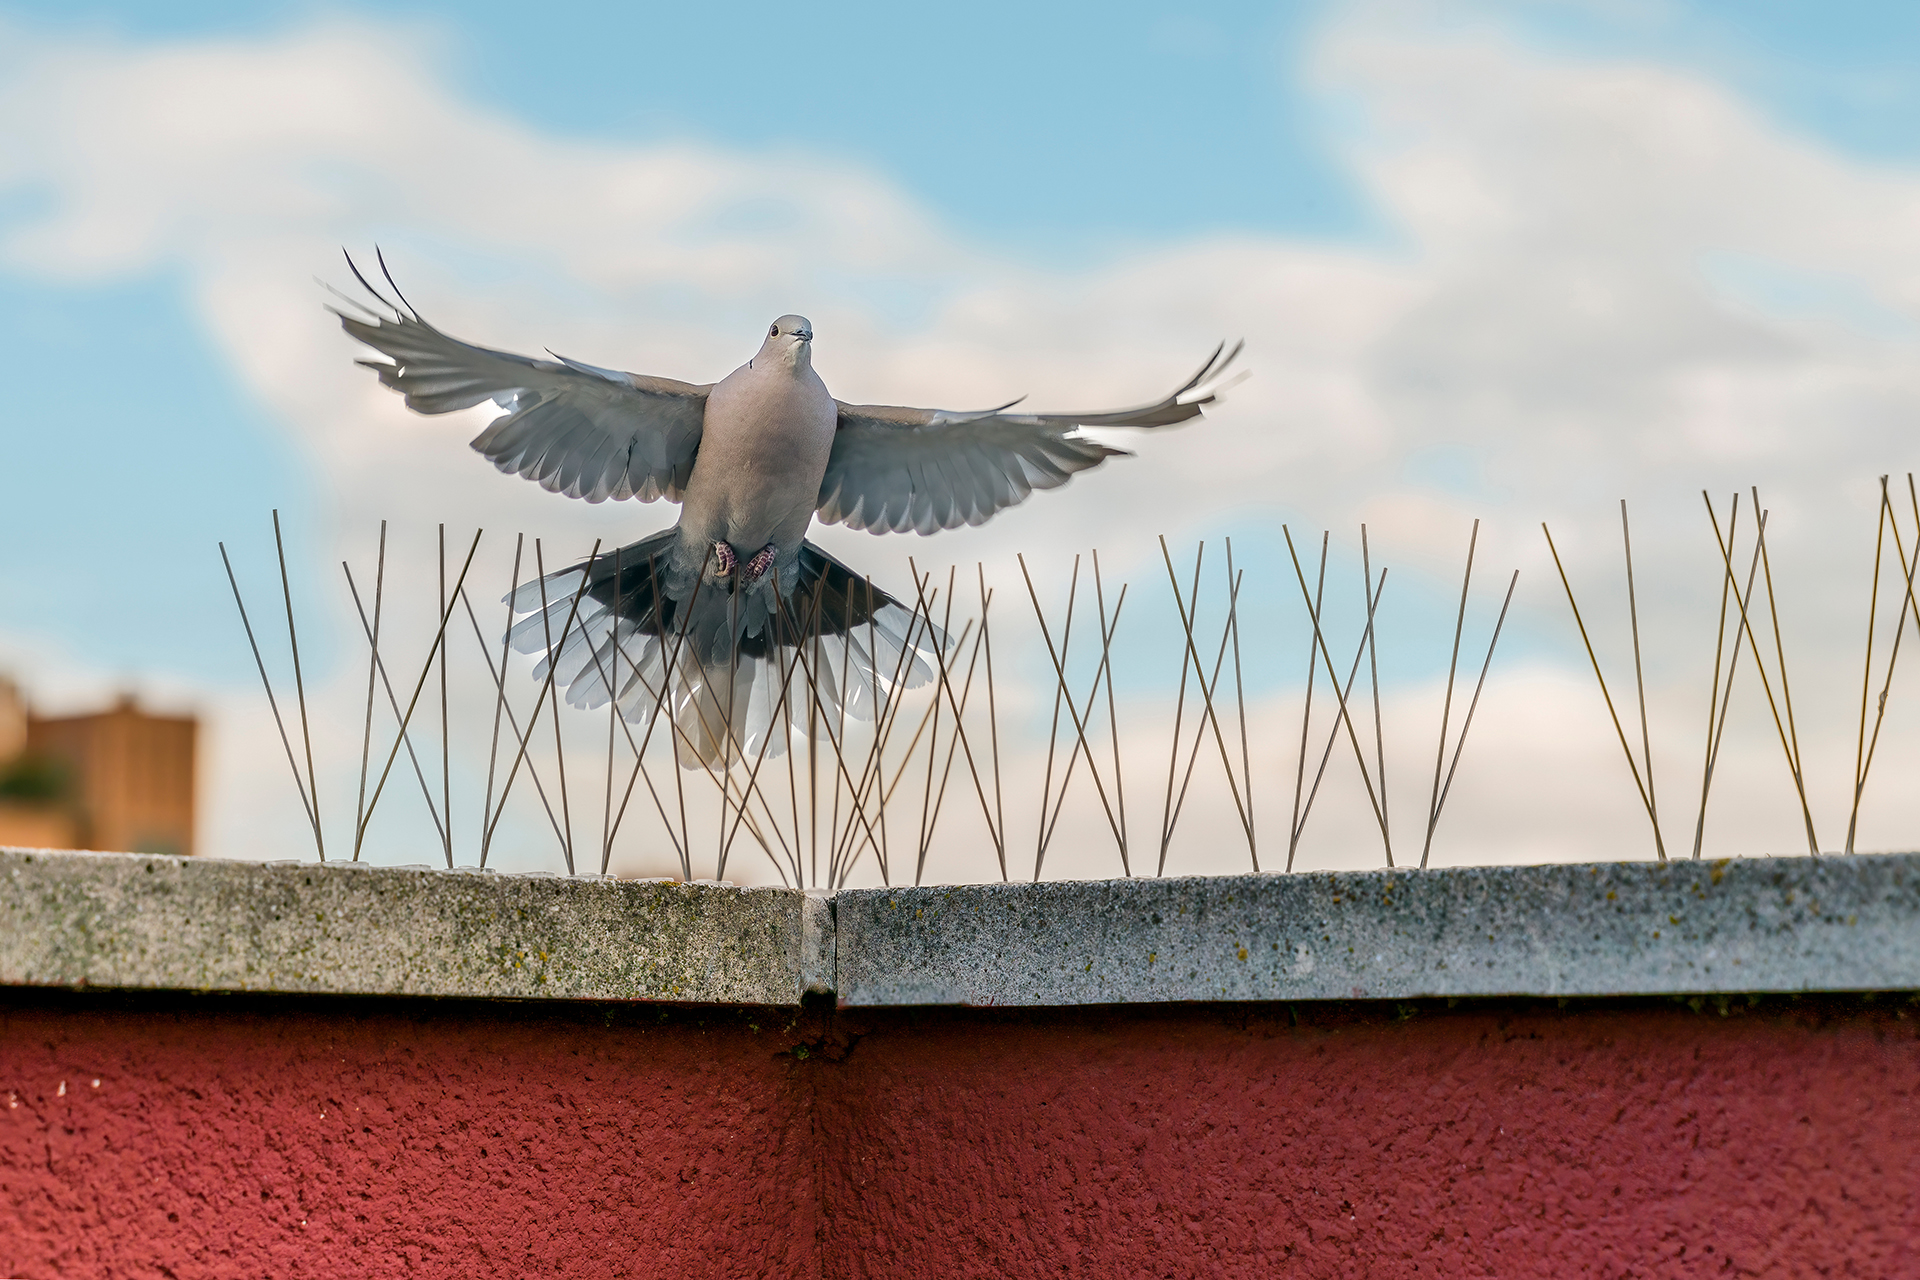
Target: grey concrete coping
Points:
(1687, 928)
(134, 920)
(1606, 929)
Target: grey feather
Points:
(574, 428)
(894, 468)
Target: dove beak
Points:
(805, 335)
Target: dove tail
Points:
(728, 667)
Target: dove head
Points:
(788, 343)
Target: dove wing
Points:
(578, 430)
(893, 468)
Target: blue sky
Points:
(1059, 134)
(1044, 126)
(1511, 260)
(1033, 124)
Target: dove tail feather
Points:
(728, 667)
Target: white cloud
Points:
(1554, 319)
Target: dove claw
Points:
(724, 561)
(761, 562)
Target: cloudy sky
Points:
(1513, 262)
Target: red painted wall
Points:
(349, 1139)
(340, 1138)
(1607, 1140)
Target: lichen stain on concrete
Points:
(130, 921)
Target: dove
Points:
(718, 613)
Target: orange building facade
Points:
(120, 779)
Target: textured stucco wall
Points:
(233, 1138)
(293, 1136)
(1609, 1139)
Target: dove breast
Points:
(763, 450)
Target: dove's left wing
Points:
(893, 469)
(576, 429)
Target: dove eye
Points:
(773, 331)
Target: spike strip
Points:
(1633, 766)
(1460, 744)
(999, 825)
(380, 667)
(1059, 673)
(958, 737)
(1717, 731)
(1786, 690)
(1104, 670)
(1179, 713)
(1306, 708)
(1240, 701)
(721, 780)
(500, 699)
(843, 854)
(513, 722)
(299, 685)
(1206, 697)
(1640, 683)
(1200, 729)
(1053, 727)
(439, 639)
(1446, 706)
(1320, 643)
(873, 768)
(1753, 644)
(446, 737)
(1333, 734)
(373, 665)
(546, 690)
(553, 657)
(813, 687)
(273, 705)
(1899, 631)
(1113, 713)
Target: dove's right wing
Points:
(579, 430)
(893, 469)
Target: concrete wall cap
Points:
(1603, 929)
(148, 921)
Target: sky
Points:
(1513, 262)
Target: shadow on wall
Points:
(118, 780)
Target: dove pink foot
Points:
(761, 562)
(724, 561)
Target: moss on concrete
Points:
(126, 920)
(1786, 924)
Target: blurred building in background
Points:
(119, 779)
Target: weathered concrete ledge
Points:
(1606, 929)
(134, 920)
(1687, 928)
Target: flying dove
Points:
(703, 611)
